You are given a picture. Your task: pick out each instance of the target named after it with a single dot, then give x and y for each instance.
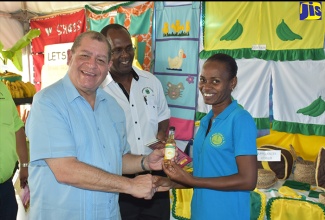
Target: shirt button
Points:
(138, 138)
(136, 122)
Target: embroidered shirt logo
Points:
(217, 140)
(147, 91)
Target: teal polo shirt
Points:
(233, 133)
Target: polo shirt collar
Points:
(224, 114)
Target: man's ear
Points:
(110, 63)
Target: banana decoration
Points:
(26, 91)
(234, 33)
(19, 89)
(20, 92)
(315, 109)
(285, 33)
(14, 90)
(31, 88)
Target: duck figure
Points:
(176, 62)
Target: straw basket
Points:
(322, 198)
(265, 179)
(305, 172)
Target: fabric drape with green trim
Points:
(295, 39)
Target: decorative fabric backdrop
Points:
(176, 62)
(61, 28)
(273, 85)
(267, 89)
(253, 91)
(296, 85)
(138, 20)
(234, 27)
(273, 92)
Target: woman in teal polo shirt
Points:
(224, 149)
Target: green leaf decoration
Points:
(15, 52)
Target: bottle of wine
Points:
(170, 146)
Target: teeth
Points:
(125, 62)
(207, 95)
(88, 73)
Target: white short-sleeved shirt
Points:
(146, 108)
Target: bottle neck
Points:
(171, 135)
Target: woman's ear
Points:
(233, 83)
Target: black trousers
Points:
(158, 208)
(8, 202)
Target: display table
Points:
(291, 204)
(288, 206)
(273, 191)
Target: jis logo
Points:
(217, 140)
(310, 10)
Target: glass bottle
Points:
(170, 146)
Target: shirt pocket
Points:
(152, 110)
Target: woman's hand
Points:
(162, 183)
(176, 173)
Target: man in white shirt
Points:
(142, 98)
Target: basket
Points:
(305, 172)
(320, 169)
(322, 198)
(282, 168)
(265, 178)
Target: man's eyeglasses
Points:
(119, 51)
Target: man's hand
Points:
(155, 159)
(142, 186)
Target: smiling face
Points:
(122, 51)
(215, 84)
(88, 64)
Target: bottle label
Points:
(169, 151)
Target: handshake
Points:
(145, 186)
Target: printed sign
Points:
(55, 63)
(56, 54)
(269, 155)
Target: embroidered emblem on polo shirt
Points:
(217, 140)
(147, 91)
